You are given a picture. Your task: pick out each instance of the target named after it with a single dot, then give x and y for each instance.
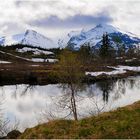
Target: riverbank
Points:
(43, 74)
(123, 123)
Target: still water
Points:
(30, 105)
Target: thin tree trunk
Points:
(73, 103)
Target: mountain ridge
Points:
(29, 37)
(75, 39)
(94, 36)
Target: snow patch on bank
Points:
(44, 60)
(34, 50)
(4, 62)
(130, 68)
(33, 59)
(118, 70)
(115, 72)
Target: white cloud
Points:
(125, 13)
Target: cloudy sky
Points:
(55, 18)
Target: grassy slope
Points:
(122, 123)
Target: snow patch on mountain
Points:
(62, 43)
(35, 39)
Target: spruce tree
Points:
(105, 47)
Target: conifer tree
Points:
(105, 47)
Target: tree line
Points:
(106, 51)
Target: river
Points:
(27, 105)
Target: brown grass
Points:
(122, 123)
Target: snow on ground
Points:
(4, 62)
(18, 57)
(33, 59)
(118, 70)
(130, 60)
(35, 65)
(137, 69)
(44, 60)
(114, 72)
(130, 68)
(34, 50)
(119, 58)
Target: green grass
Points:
(122, 123)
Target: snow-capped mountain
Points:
(94, 37)
(62, 43)
(75, 38)
(30, 37)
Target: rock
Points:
(13, 134)
(3, 137)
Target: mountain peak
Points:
(30, 31)
(29, 37)
(94, 36)
(106, 28)
(101, 25)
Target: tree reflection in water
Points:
(112, 90)
(106, 87)
(3, 122)
(62, 105)
(22, 90)
(101, 95)
(53, 101)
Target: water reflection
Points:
(33, 104)
(105, 87)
